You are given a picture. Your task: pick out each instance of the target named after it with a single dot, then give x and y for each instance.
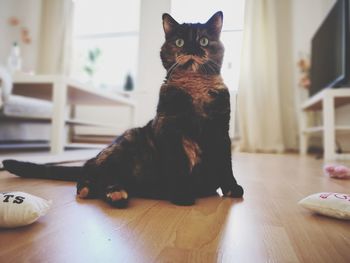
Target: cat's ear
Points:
(169, 23)
(215, 22)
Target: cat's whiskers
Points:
(210, 68)
(172, 66)
(171, 70)
(196, 61)
(213, 62)
(183, 59)
(202, 66)
(213, 65)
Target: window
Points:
(105, 45)
(231, 36)
(108, 30)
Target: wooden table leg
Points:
(58, 116)
(328, 128)
(303, 136)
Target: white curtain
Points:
(55, 42)
(266, 106)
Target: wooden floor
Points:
(267, 226)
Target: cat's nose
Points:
(192, 50)
(191, 53)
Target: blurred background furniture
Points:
(44, 106)
(325, 101)
(24, 121)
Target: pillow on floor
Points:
(20, 209)
(330, 204)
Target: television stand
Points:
(325, 101)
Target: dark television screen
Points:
(329, 50)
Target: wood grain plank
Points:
(266, 226)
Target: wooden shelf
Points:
(85, 146)
(99, 139)
(325, 101)
(24, 119)
(341, 97)
(85, 94)
(40, 86)
(24, 145)
(89, 123)
(342, 129)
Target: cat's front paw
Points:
(85, 190)
(236, 192)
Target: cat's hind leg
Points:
(115, 169)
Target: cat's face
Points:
(194, 47)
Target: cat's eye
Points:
(204, 41)
(179, 42)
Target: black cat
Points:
(185, 151)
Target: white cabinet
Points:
(325, 101)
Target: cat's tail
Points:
(43, 171)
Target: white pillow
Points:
(329, 204)
(20, 209)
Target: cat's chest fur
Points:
(202, 88)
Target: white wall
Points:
(150, 75)
(150, 70)
(307, 17)
(28, 12)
